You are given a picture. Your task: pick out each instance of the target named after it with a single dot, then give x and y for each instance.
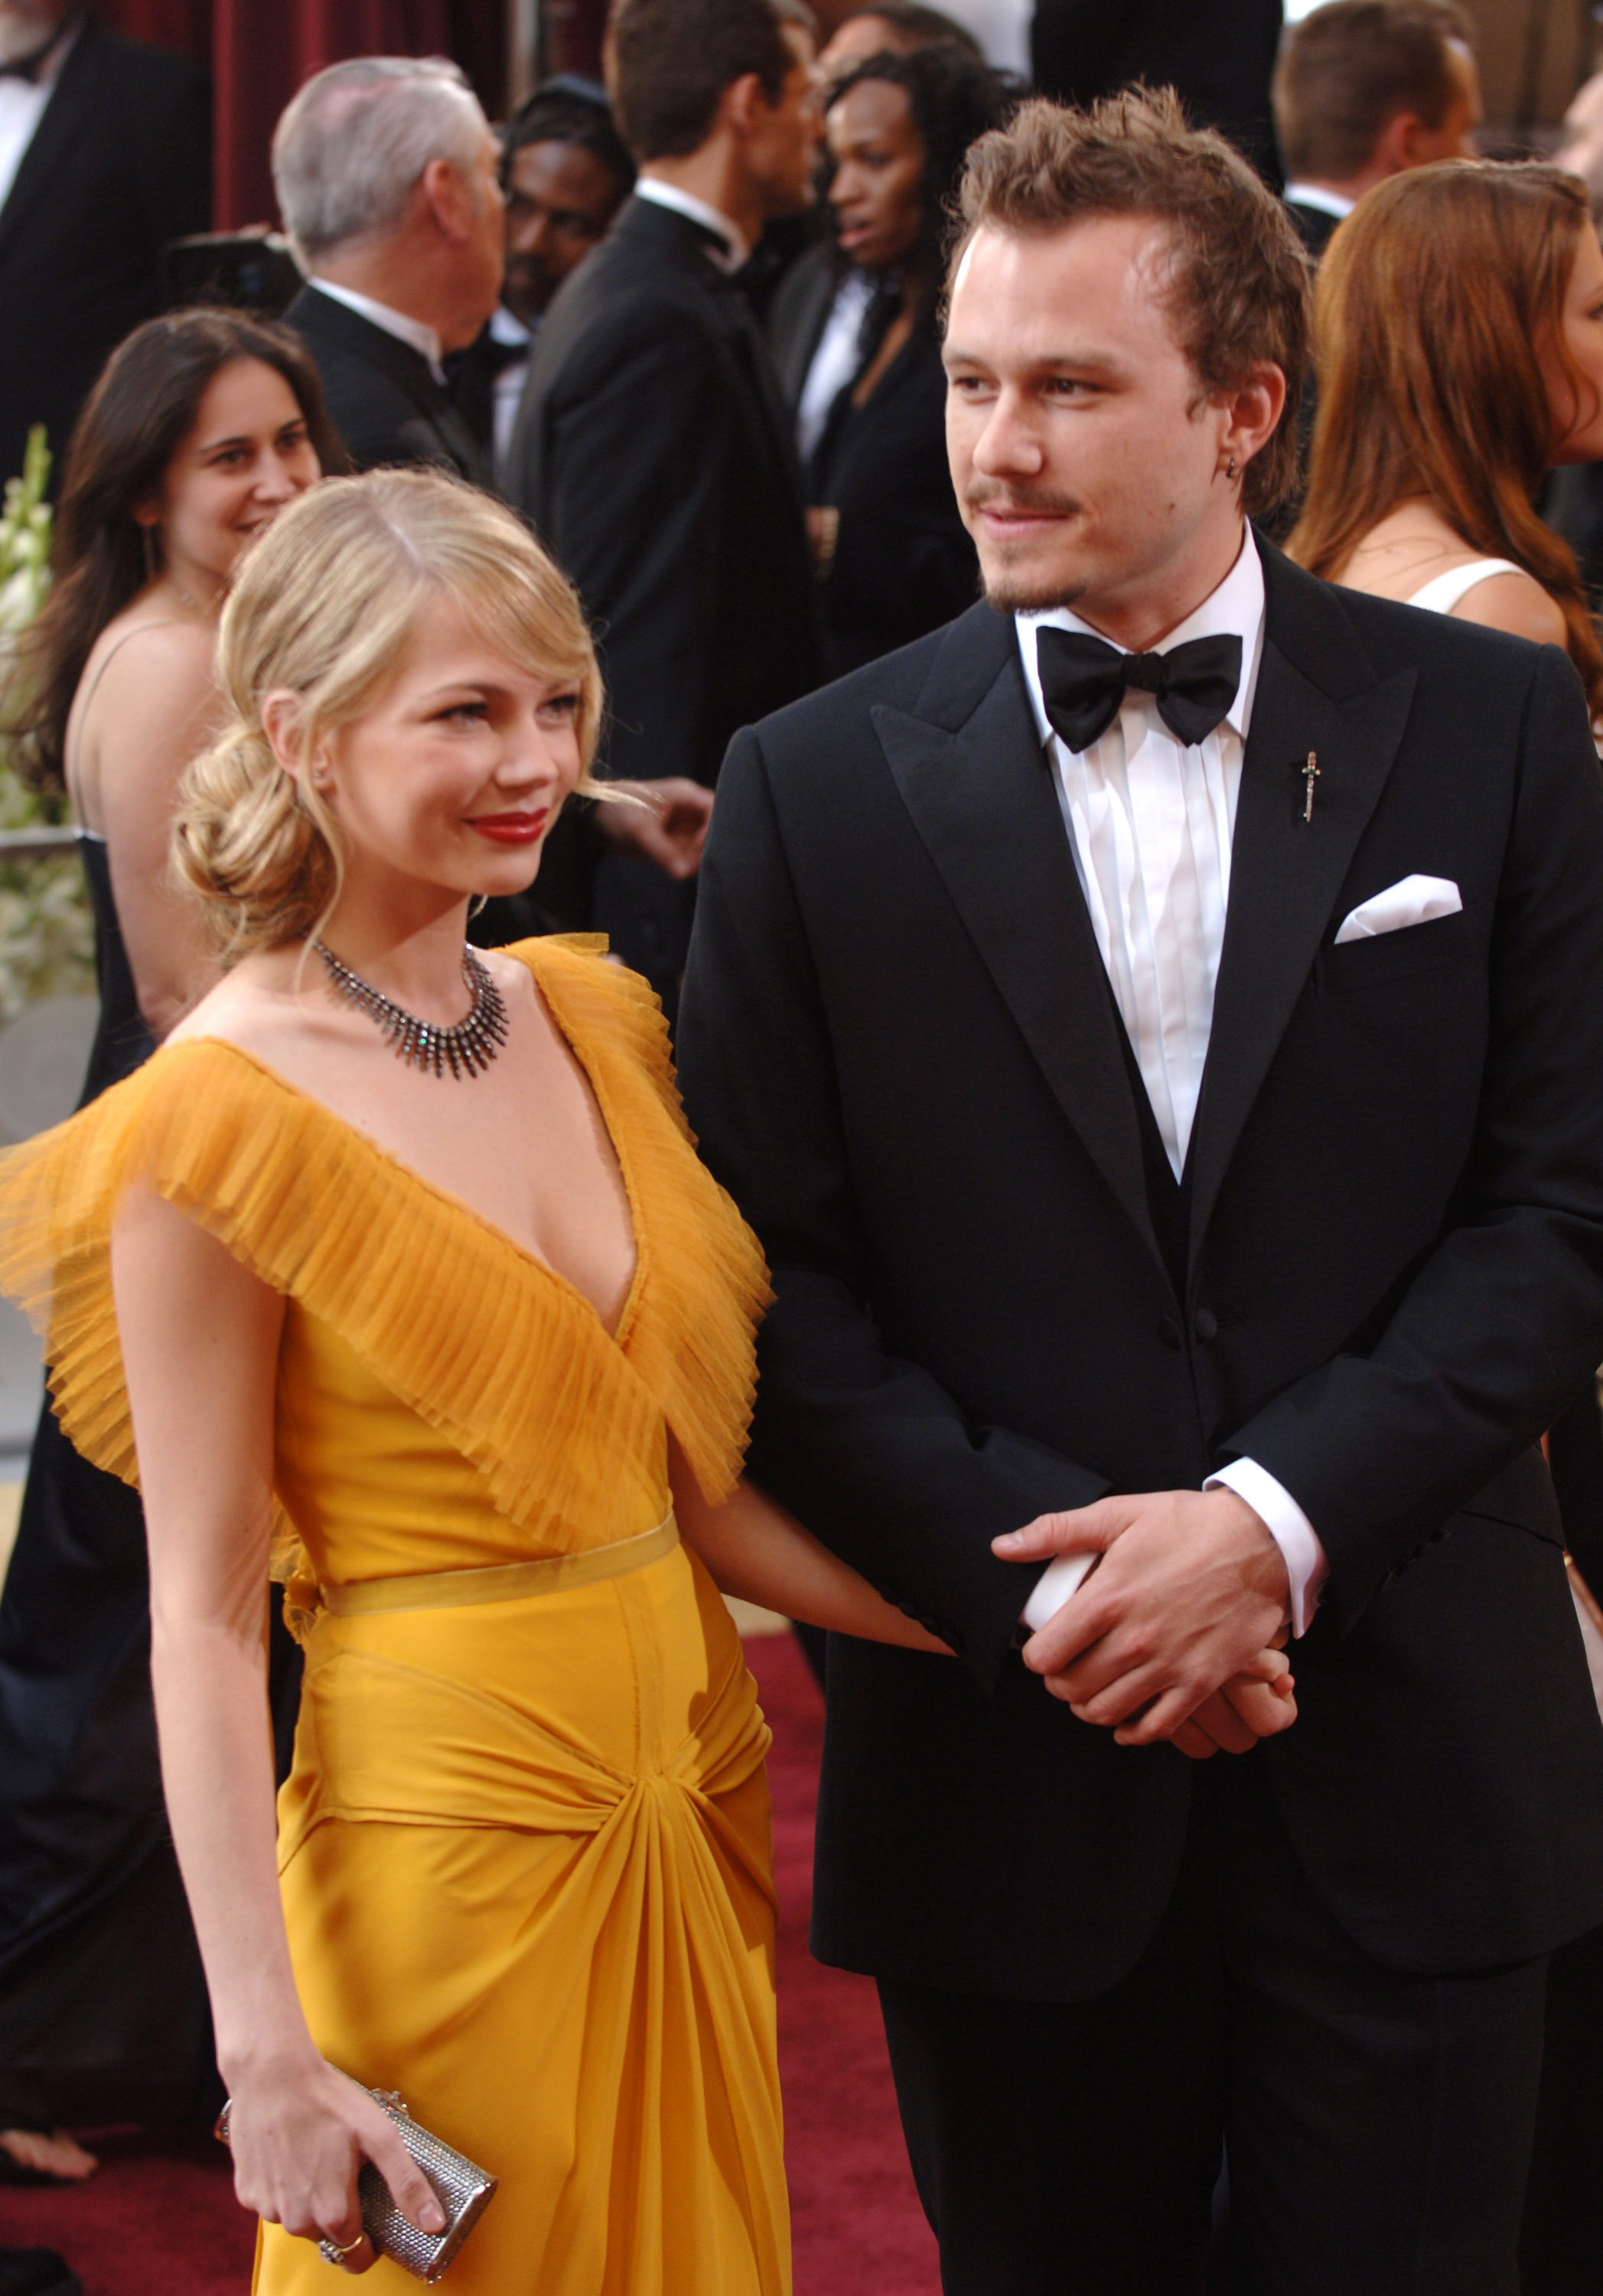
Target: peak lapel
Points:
(971, 773)
(1287, 872)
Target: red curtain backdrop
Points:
(260, 51)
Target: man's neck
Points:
(1141, 617)
(388, 272)
(715, 174)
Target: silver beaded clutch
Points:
(462, 2189)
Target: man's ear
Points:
(1397, 146)
(743, 105)
(1254, 412)
(444, 191)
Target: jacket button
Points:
(1168, 1331)
(1205, 1323)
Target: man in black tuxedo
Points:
(388, 180)
(105, 155)
(1216, 55)
(1365, 89)
(652, 449)
(1155, 1025)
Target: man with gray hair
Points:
(387, 179)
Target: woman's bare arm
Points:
(757, 1552)
(199, 1338)
(156, 709)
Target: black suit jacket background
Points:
(652, 453)
(797, 314)
(119, 164)
(1315, 226)
(899, 1053)
(385, 403)
(1218, 54)
(903, 562)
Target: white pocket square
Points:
(1413, 901)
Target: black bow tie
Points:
(1083, 680)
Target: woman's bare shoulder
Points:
(257, 1007)
(148, 675)
(137, 640)
(1515, 602)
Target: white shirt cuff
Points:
(1307, 1565)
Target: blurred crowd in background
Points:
(688, 323)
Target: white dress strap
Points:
(1441, 594)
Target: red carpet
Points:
(160, 2218)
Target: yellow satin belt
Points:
(503, 1582)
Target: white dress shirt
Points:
(736, 246)
(834, 360)
(1315, 195)
(22, 103)
(506, 392)
(398, 323)
(1150, 821)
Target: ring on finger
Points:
(332, 2253)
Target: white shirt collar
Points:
(398, 323)
(1236, 606)
(711, 218)
(1315, 195)
(506, 327)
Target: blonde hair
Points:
(323, 607)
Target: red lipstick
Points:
(511, 828)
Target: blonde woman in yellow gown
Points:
(470, 1346)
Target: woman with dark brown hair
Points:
(1458, 326)
(203, 425)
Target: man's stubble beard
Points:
(1005, 596)
(1006, 592)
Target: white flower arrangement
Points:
(46, 931)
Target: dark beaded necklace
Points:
(461, 1051)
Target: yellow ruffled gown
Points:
(525, 1844)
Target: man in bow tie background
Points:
(1156, 1183)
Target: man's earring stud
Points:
(1230, 468)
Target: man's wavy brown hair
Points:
(1239, 283)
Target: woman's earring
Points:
(478, 904)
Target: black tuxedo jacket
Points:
(119, 164)
(797, 317)
(903, 562)
(653, 454)
(1218, 54)
(1314, 225)
(900, 1053)
(384, 401)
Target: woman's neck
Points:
(410, 950)
(194, 587)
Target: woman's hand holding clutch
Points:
(299, 2135)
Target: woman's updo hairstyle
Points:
(323, 607)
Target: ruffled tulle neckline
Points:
(491, 1347)
(617, 1332)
